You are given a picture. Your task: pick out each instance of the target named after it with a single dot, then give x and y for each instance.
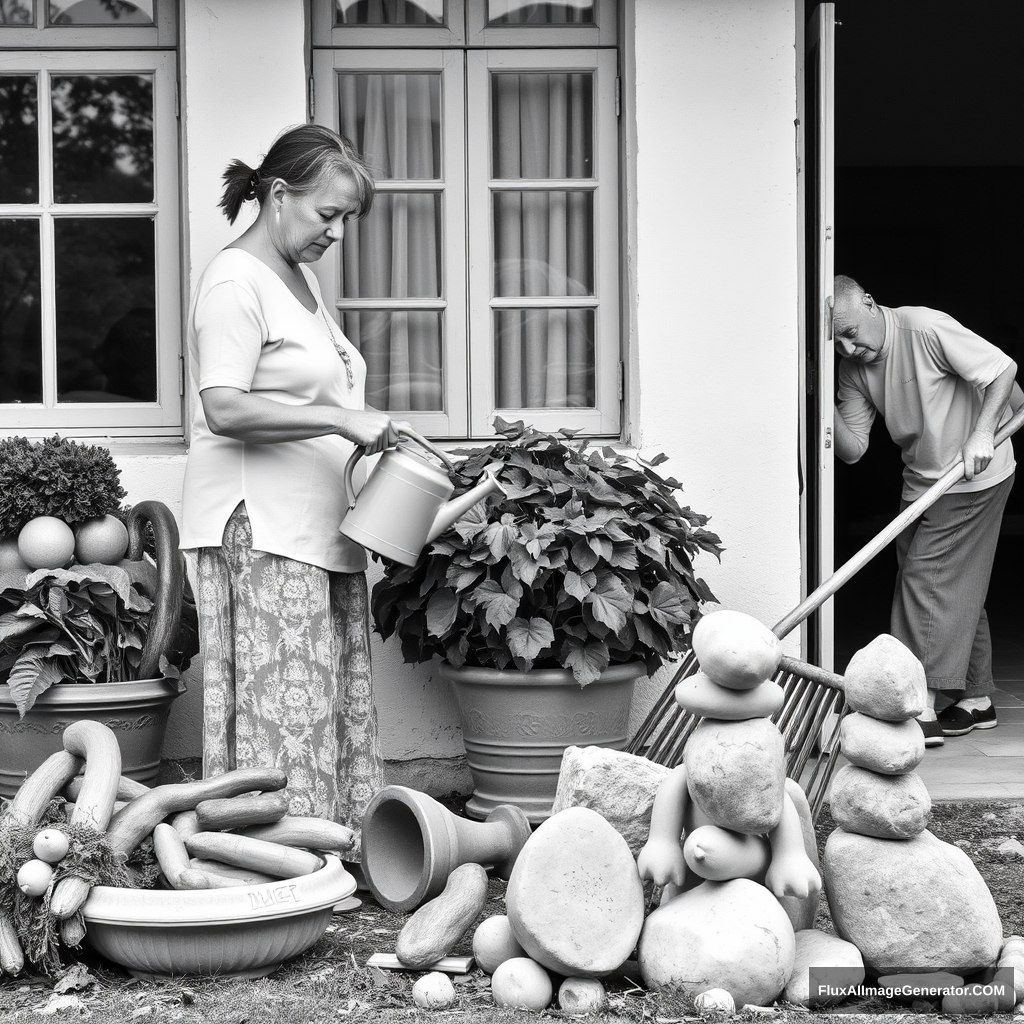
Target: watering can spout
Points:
(458, 507)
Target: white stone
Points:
(714, 1001)
(892, 748)
(731, 935)
(886, 680)
(575, 900)
(581, 995)
(621, 787)
(816, 949)
(884, 806)
(1012, 849)
(910, 905)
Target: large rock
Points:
(835, 961)
(885, 806)
(910, 905)
(735, 649)
(886, 680)
(574, 900)
(736, 773)
(621, 787)
(891, 748)
(730, 935)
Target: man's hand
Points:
(977, 452)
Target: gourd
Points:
(256, 854)
(718, 854)
(237, 811)
(437, 925)
(97, 744)
(36, 792)
(309, 833)
(12, 959)
(186, 824)
(127, 789)
(521, 984)
(735, 649)
(139, 817)
(171, 854)
(241, 876)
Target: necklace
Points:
(338, 347)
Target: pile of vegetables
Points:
(63, 833)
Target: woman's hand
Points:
(370, 429)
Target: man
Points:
(943, 391)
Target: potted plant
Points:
(548, 604)
(90, 593)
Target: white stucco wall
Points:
(713, 361)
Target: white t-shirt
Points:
(929, 387)
(246, 330)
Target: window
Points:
(486, 277)
(89, 279)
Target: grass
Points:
(331, 982)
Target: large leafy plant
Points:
(587, 561)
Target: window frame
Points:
(325, 33)
(40, 36)
(603, 31)
(164, 416)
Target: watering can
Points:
(404, 503)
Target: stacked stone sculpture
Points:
(908, 901)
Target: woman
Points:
(278, 409)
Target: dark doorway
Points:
(928, 211)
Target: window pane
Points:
(99, 12)
(394, 121)
(20, 312)
(544, 243)
(544, 358)
(106, 315)
(103, 138)
(17, 12)
(522, 12)
(395, 251)
(402, 350)
(543, 125)
(19, 140)
(430, 13)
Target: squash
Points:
(12, 959)
(139, 817)
(791, 872)
(72, 931)
(308, 833)
(437, 925)
(237, 811)
(170, 852)
(94, 804)
(36, 792)
(521, 984)
(218, 868)
(735, 649)
(186, 824)
(719, 854)
(127, 789)
(256, 854)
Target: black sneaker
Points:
(932, 733)
(958, 721)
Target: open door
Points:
(819, 247)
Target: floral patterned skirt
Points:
(286, 675)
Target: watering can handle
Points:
(406, 431)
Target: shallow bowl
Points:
(241, 932)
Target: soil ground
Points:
(331, 982)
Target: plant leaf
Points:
(33, 673)
(668, 607)
(442, 608)
(587, 661)
(528, 637)
(500, 608)
(610, 602)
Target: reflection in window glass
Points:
(99, 12)
(19, 140)
(523, 12)
(20, 312)
(394, 122)
(17, 12)
(106, 309)
(402, 349)
(102, 138)
(544, 358)
(543, 243)
(429, 13)
(543, 125)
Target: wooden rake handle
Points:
(954, 474)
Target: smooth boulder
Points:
(884, 806)
(836, 963)
(736, 773)
(729, 935)
(701, 696)
(886, 680)
(890, 748)
(621, 787)
(575, 900)
(735, 649)
(910, 905)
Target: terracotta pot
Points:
(516, 726)
(137, 712)
(412, 843)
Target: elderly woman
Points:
(277, 394)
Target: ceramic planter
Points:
(136, 711)
(244, 931)
(516, 726)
